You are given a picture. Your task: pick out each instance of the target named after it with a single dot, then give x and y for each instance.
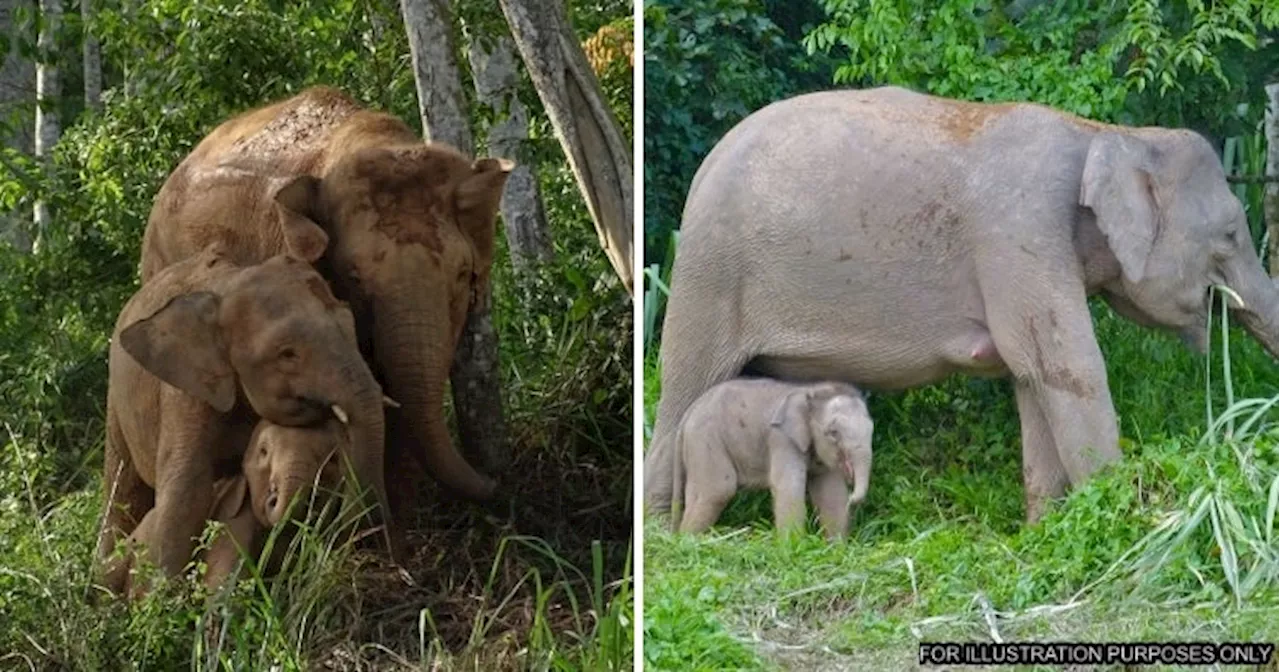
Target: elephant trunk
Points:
(359, 407)
(861, 475)
(412, 340)
(1259, 314)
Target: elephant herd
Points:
(889, 239)
(307, 271)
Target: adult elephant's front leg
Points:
(1043, 476)
(1044, 334)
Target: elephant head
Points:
(833, 419)
(283, 463)
(275, 332)
(1161, 200)
(412, 239)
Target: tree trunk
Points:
(92, 59)
(17, 93)
(592, 139)
(477, 389)
(497, 82)
(47, 92)
(1270, 208)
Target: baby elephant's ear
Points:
(791, 417)
(229, 496)
(181, 344)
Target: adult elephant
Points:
(411, 235)
(891, 239)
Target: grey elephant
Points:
(763, 433)
(200, 353)
(924, 237)
(281, 464)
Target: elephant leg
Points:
(127, 499)
(184, 489)
(707, 490)
(830, 496)
(787, 477)
(1050, 349)
(1043, 476)
(691, 364)
(243, 533)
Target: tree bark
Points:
(92, 59)
(477, 387)
(585, 126)
(47, 92)
(17, 93)
(17, 79)
(1270, 208)
(497, 83)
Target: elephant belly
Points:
(890, 364)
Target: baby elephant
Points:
(281, 463)
(763, 433)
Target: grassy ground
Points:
(1177, 542)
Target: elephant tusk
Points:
(388, 401)
(1231, 293)
(340, 414)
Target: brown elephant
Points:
(281, 464)
(203, 350)
(411, 233)
(923, 237)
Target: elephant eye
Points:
(288, 353)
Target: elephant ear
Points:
(229, 497)
(295, 203)
(1117, 185)
(181, 345)
(791, 417)
(476, 200)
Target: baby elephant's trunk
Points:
(861, 475)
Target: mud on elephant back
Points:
(409, 241)
(925, 236)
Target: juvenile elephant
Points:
(410, 231)
(763, 433)
(202, 351)
(923, 237)
(280, 463)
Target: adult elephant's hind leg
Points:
(1043, 476)
(699, 350)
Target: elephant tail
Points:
(677, 479)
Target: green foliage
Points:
(1143, 63)
(973, 50)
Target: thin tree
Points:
(477, 390)
(493, 69)
(47, 92)
(17, 92)
(92, 59)
(585, 126)
(1271, 194)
